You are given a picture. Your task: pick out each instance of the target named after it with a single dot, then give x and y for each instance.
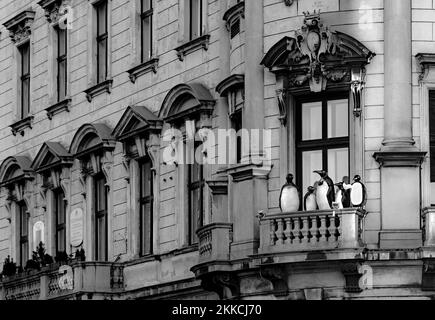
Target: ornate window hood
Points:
(234, 12)
(20, 26)
(15, 170)
(54, 9)
(103, 140)
(199, 102)
(425, 60)
(231, 83)
(317, 56)
(52, 155)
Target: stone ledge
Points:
(20, 125)
(104, 86)
(399, 158)
(58, 107)
(201, 42)
(137, 71)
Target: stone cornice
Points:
(137, 71)
(193, 45)
(20, 26)
(52, 9)
(399, 158)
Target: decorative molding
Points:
(55, 9)
(20, 26)
(278, 276)
(426, 61)
(201, 42)
(400, 158)
(20, 125)
(317, 56)
(352, 275)
(234, 12)
(107, 167)
(126, 164)
(356, 88)
(218, 187)
(225, 284)
(99, 88)
(82, 179)
(288, 3)
(282, 97)
(21, 173)
(58, 107)
(137, 71)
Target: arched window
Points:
(187, 109)
(139, 130)
(16, 177)
(93, 146)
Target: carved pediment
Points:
(51, 155)
(15, 170)
(91, 138)
(136, 120)
(317, 55)
(20, 26)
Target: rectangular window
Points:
(236, 121)
(25, 79)
(101, 192)
(195, 21)
(322, 138)
(146, 17)
(146, 208)
(24, 233)
(102, 38)
(60, 219)
(61, 63)
(432, 143)
(196, 184)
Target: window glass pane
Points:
(24, 253)
(60, 207)
(311, 160)
(195, 18)
(25, 97)
(312, 121)
(101, 17)
(338, 118)
(101, 234)
(146, 228)
(102, 60)
(25, 58)
(338, 164)
(60, 240)
(24, 221)
(195, 214)
(61, 33)
(146, 38)
(146, 5)
(62, 79)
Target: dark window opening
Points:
(146, 30)
(146, 207)
(236, 121)
(102, 38)
(23, 221)
(195, 23)
(235, 28)
(101, 223)
(61, 59)
(60, 220)
(25, 79)
(196, 188)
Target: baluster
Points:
(337, 224)
(288, 232)
(305, 230)
(280, 231)
(322, 229)
(272, 232)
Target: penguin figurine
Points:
(289, 196)
(342, 196)
(310, 203)
(330, 194)
(358, 192)
(322, 195)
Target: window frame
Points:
(24, 76)
(23, 237)
(99, 38)
(199, 25)
(324, 144)
(143, 200)
(59, 203)
(144, 15)
(59, 60)
(100, 215)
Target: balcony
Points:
(80, 280)
(311, 235)
(214, 247)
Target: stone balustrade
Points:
(55, 281)
(311, 230)
(214, 242)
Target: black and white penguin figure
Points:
(342, 196)
(310, 203)
(330, 193)
(358, 192)
(289, 198)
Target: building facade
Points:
(144, 144)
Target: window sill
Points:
(58, 107)
(193, 45)
(137, 71)
(20, 125)
(104, 86)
